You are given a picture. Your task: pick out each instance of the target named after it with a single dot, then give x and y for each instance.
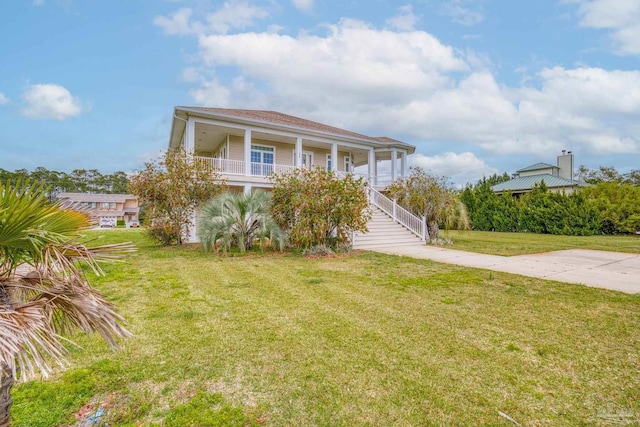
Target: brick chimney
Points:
(565, 164)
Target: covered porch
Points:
(246, 152)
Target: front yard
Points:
(364, 339)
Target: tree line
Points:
(78, 181)
(611, 205)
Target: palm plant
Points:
(44, 291)
(238, 220)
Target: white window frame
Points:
(348, 165)
(273, 165)
(329, 160)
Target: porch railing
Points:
(411, 222)
(237, 167)
(225, 166)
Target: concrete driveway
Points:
(608, 270)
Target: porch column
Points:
(190, 137)
(297, 161)
(247, 188)
(247, 152)
(403, 163)
(334, 157)
(372, 167)
(394, 161)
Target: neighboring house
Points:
(246, 146)
(107, 206)
(557, 178)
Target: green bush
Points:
(315, 206)
(120, 223)
(540, 211)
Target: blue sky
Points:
(479, 86)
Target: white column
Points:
(297, 161)
(190, 137)
(403, 164)
(247, 152)
(334, 157)
(247, 188)
(372, 167)
(394, 161)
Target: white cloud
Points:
(405, 20)
(411, 86)
(621, 17)
(464, 12)
(304, 5)
(233, 14)
(178, 23)
(4, 99)
(459, 167)
(50, 101)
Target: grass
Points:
(495, 243)
(359, 340)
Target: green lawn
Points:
(489, 242)
(359, 340)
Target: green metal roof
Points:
(526, 183)
(536, 167)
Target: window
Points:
(262, 158)
(348, 166)
(307, 159)
(329, 162)
(108, 205)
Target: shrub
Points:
(238, 220)
(315, 206)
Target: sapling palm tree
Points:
(44, 291)
(238, 220)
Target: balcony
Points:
(235, 170)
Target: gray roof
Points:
(89, 197)
(536, 167)
(526, 183)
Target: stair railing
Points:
(411, 222)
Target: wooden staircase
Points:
(384, 232)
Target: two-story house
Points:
(246, 146)
(111, 207)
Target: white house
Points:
(246, 146)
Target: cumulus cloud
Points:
(4, 99)
(50, 101)
(405, 20)
(410, 85)
(304, 5)
(620, 17)
(459, 167)
(233, 14)
(464, 12)
(177, 23)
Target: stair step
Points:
(384, 232)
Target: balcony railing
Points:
(237, 167)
